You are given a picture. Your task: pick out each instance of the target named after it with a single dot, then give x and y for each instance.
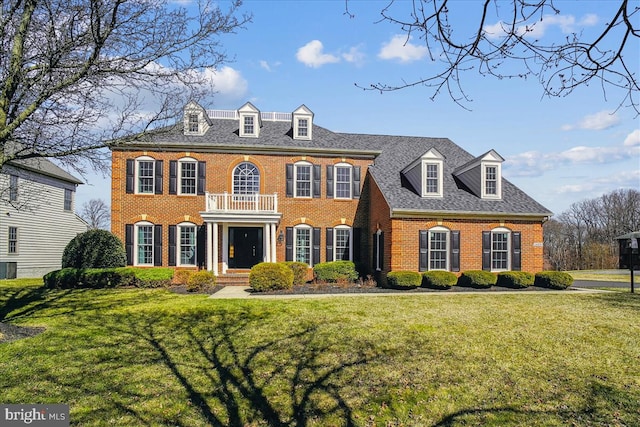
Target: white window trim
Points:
(9, 240)
(295, 242)
(179, 244)
(335, 240)
(335, 180)
(70, 200)
(296, 127)
(295, 179)
(180, 163)
(439, 229)
(189, 123)
(137, 174)
(502, 230)
(440, 191)
(256, 125)
(498, 194)
(136, 252)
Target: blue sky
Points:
(559, 150)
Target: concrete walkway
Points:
(242, 292)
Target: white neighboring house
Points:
(37, 217)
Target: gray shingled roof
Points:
(393, 153)
(45, 167)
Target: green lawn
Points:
(150, 357)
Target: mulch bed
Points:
(10, 332)
(182, 289)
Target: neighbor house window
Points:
(187, 248)
(144, 244)
(68, 199)
(246, 179)
(13, 188)
(145, 177)
(188, 171)
(343, 181)
(13, 240)
(194, 124)
(302, 244)
(500, 249)
(342, 243)
(303, 128)
(302, 175)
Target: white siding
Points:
(44, 227)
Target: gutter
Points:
(417, 213)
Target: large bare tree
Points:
(75, 74)
(503, 42)
(96, 213)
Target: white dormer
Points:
(302, 123)
(426, 174)
(483, 175)
(250, 121)
(195, 119)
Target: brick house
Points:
(224, 190)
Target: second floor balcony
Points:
(242, 203)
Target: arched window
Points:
(246, 179)
(143, 243)
(500, 249)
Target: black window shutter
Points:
(329, 181)
(329, 243)
(486, 250)
(173, 177)
(516, 251)
(158, 177)
(128, 239)
(356, 182)
(131, 164)
(317, 177)
(202, 178)
(424, 250)
(374, 255)
(289, 244)
(157, 245)
(455, 251)
(289, 177)
(315, 258)
(172, 245)
(201, 249)
(356, 233)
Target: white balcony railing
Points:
(226, 202)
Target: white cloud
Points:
(265, 65)
(312, 55)
(598, 121)
(228, 82)
(537, 29)
(601, 185)
(632, 139)
(400, 47)
(270, 67)
(354, 56)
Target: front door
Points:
(245, 246)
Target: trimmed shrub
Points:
(439, 279)
(74, 278)
(515, 279)
(335, 271)
(300, 270)
(553, 279)
(94, 249)
(268, 276)
(479, 279)
(404, 279)
(200, 280)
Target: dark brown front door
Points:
(245, 246)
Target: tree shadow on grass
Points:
(287, 380)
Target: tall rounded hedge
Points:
(94, 249)
(268, 276)
(553, 279)
(439, 279)
(404, 279)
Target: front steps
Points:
(233, 278)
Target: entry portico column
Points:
(267, 243)
(272, 243)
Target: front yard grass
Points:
(132, 357)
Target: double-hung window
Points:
(438, 249)
(144, 244)
(302, 239)
(342, 243)
(500, 250)
(248, 125)
(194, 124)
(145, 177)
(491, 181)
(303, 128)
(68, 199)
(187, 247)
(303, 179)
(13, 240)
(343, 181)
(188, 173)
